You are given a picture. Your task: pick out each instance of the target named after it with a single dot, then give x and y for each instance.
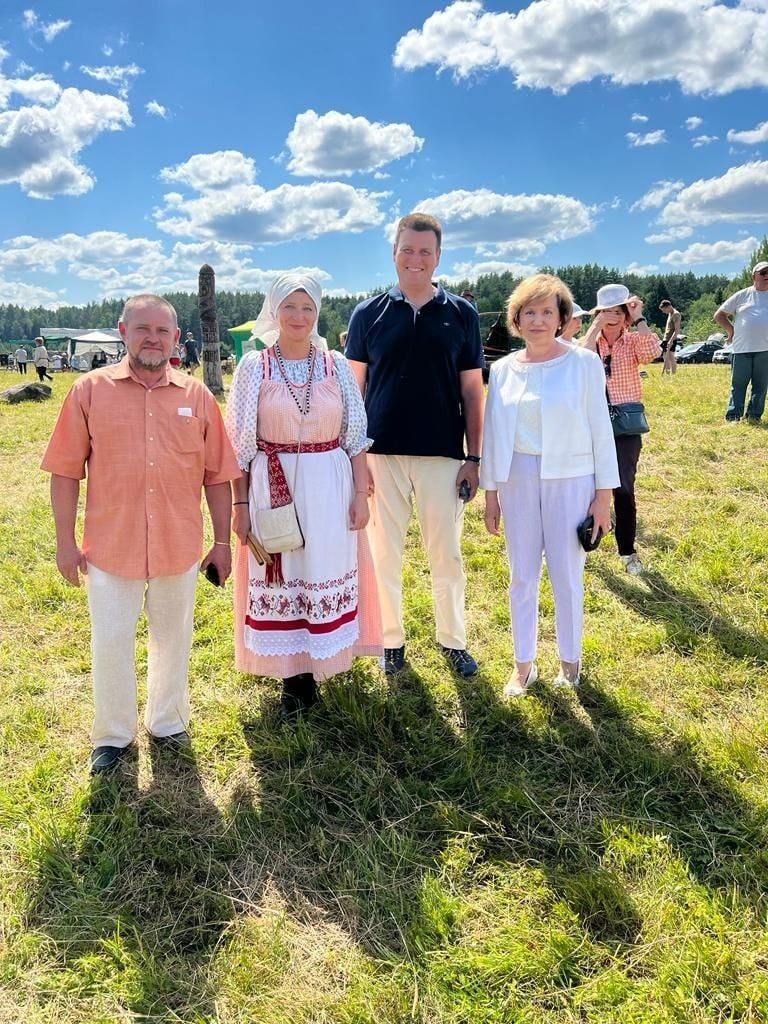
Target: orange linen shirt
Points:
(148, 453)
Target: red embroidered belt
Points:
(279, 493)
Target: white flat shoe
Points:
(515, 689)
(561, 679)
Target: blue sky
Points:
(140, 140)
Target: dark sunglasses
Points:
(607, 365)
(762, 273)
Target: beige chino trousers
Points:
(430, 482)
(115, 605)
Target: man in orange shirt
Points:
(152, 438)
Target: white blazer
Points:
(576, 433)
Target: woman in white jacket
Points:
(549, 460)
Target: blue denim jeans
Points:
(746, 368)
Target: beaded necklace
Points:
(295, 390)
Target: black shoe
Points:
(104, 759)
(393, 660)
(179, 740)
(299, 693)
(462, 662)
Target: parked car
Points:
(700, 351)
(723, 355)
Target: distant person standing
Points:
(573, 326)
(744, 318)
(21, 357)
(669, 341)
(623, 351)
(40, 359)
(192, 360)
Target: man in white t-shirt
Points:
(21, 357)
(744, 318)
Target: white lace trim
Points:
(301, 641)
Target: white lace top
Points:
(243, 403)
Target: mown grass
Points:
(416, 851)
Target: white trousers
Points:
(115, 605)
(431, 481)
(540, 518)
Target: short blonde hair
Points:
(535, 289)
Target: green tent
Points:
(242, 338)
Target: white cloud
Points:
(669, 236)
(641, 268)
(231, 207)
(741, 194)
(48, 30)
(704, 45)
(153, 107)
(649, 139)
(471, 271)
(712, 252)
(703, 140)
(120, 264)
(28, 295)
(750, 137)
(641, 118)
(334, 143)
(205, 171)
(39, 145)
(120, 76)
(657, 195)
(502, 225)
(692, 123)
(37, 88)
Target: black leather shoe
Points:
(176, 739)
(104, 759)
(299, 693)
(393, 660)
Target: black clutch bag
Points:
(584, 533)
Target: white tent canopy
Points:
(84, 342)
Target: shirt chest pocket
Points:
(183, 434)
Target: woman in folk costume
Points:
(295, 413)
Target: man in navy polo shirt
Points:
(417, 356)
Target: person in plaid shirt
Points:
(623, 351)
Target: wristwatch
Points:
(473, 458)
(639, 320)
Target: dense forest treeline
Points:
(695, 296)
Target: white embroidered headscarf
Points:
(266, 328)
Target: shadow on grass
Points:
(686, 616)
(353, 817)
(133, 896)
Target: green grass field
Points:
(415, 851)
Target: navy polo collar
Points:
(397, 295)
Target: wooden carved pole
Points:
(209, 328)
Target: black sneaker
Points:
(462, 662)
(393, 660)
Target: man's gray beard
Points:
(150, 364)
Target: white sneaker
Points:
(632, 564)
(516, 688)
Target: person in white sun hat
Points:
(573, 326)
(620, 335)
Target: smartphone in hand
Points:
(212, 574)
(464, 490)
